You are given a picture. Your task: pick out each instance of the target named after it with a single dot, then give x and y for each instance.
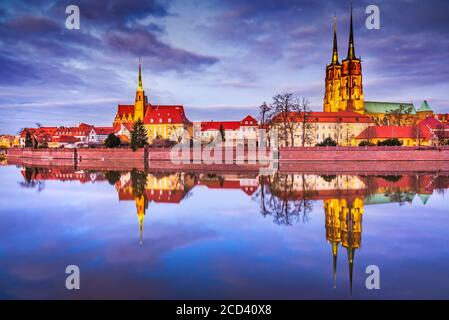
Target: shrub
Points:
(112, 141)
(328, 142)
(366, 143)
(394, 142)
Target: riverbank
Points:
(231, 155)
(360, 160)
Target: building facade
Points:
(161, 121)
(342, 127)
(343, 83)
(245, 131)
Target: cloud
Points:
(140, 42)
(230, 53)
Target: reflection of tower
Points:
(344, 224)
(141, 206)
(333, 229)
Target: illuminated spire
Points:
(351, 49)
(140, 205)
(351, 252)
(335, 50)
(139, 86)
(141, 229)
(334, 253)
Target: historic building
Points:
(161, 121)
(342, 127)
(343, 84)
(426, 132)
(233, 132)
(344, 91)
(8, 141)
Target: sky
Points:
(220, 59)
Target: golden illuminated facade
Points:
(343, 85)
(343, 221)
(161, 121)
(141, 100)
(141, 206)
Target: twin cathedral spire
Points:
(343, 87)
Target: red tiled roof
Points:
(215, 125)
(82, 130)
(228, 125)
(38, 131)
(160, 114)
(433, 123)
(104, 130)
(387, 132)
(125, 109)
(326, 117)
(65, 139)
(248, 121)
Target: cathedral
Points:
(344, 89)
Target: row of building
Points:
(346, 118)
(83, 135)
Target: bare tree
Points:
(440, 135)
(306, 124)
(399, 115)
(264, 114)
(285, 110)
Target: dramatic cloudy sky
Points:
(220, 59)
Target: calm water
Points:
(184, 235)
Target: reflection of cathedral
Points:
(343, 222)
(344, 196)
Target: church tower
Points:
(141, 100)
(352, 98)
(141, 205)
(332, 95)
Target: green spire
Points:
(424, 107)
(335, 50)
(351, 49)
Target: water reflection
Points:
(287, 198)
